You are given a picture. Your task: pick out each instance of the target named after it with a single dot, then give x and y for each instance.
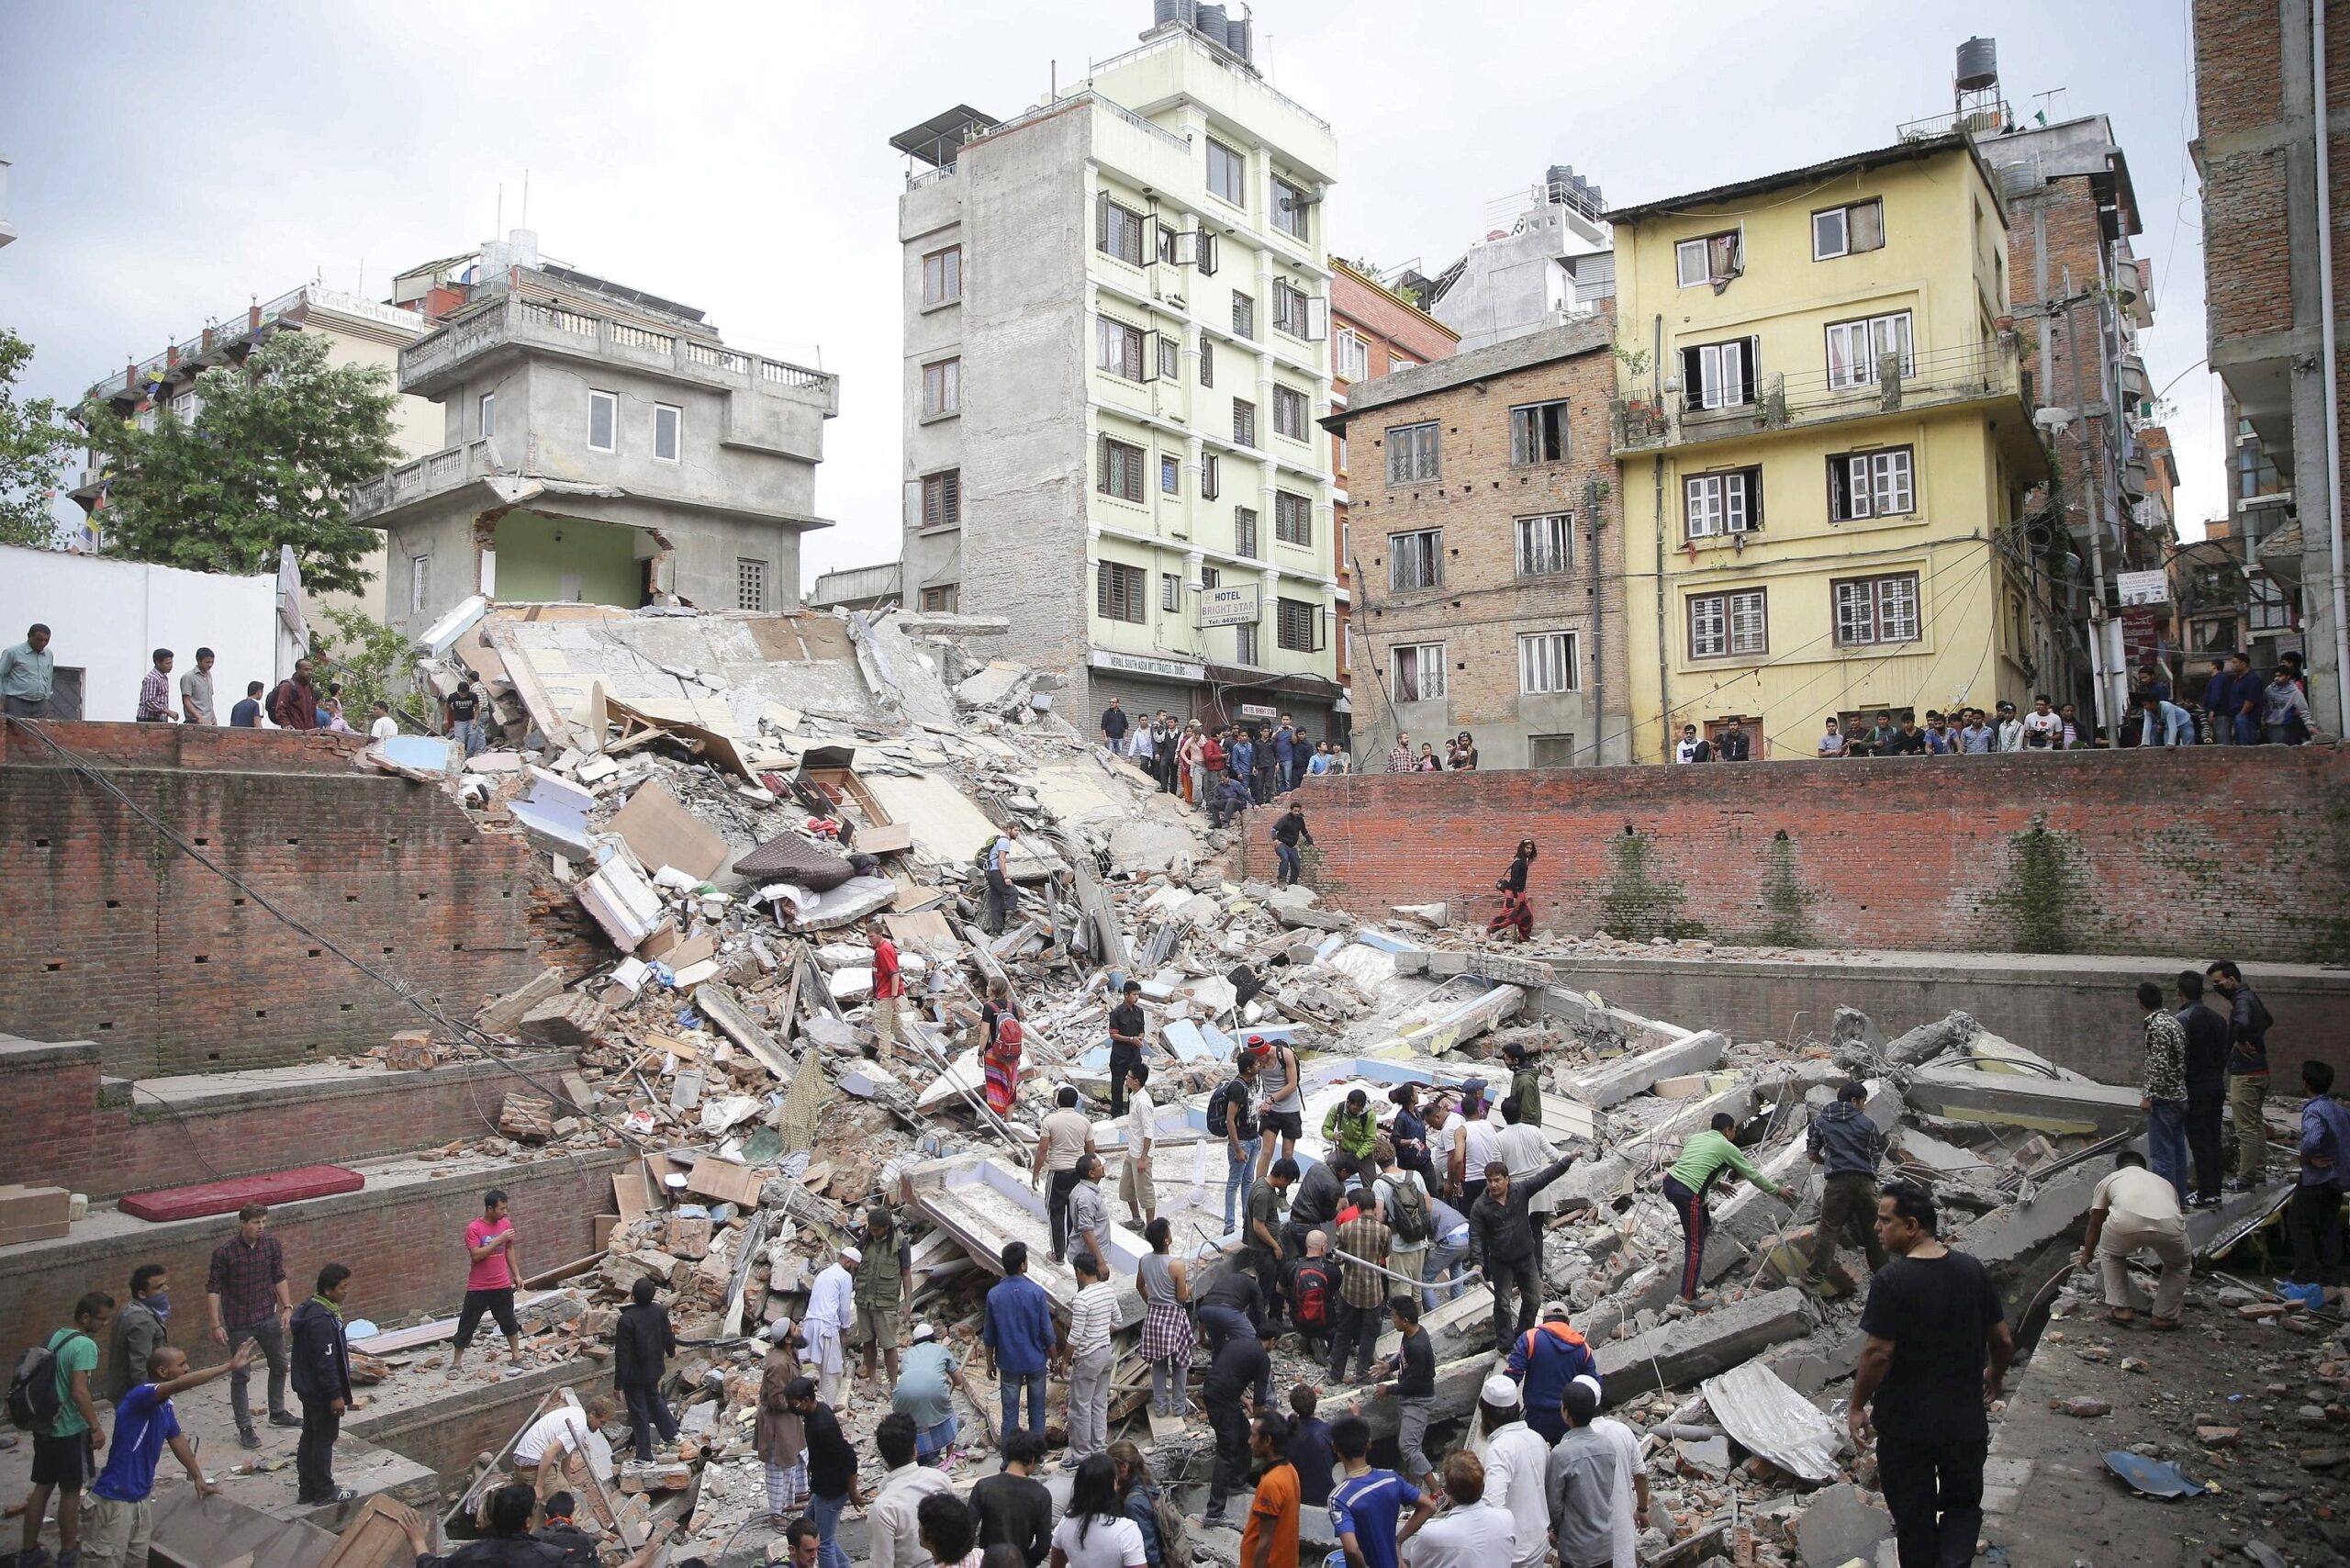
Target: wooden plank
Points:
(723, 1007)
(725, 1180)
(916, 930)
(660, 832)
(884, 838)
(377, 1538)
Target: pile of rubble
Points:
(728, 823)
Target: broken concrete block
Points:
(528, 1118)
(1613, 1082)
(1675, 1354)
(570, 1020)
(504, 1015)
(2025, 1100)
(411, 1052)
(1435, 917)
(1927, 1041)
(1295, 915)
(2080, 1405)
(1140, 845)
(1931, 1154)
(1840, 1524)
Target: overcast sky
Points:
(172, 160)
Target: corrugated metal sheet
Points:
(1773, 1420)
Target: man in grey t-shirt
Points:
(195, 691)
(1581, 1483)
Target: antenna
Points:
(499, 230)
(526, 198)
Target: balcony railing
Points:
(1649, 420)
(430, 475)
(565, 328)
(1180, 143)
(1192, 41)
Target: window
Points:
(1210, 476)
(486, 422)
(420, 583)
(1870, 484)
(1170, 591)
(1722, 625)
(1121, 470)
(942, 500)
(1244, 532)
(1546, 545)
(1293, 624)
(750, 583)
(1171, 241)
(1546, 663)
(1171, 474)
(1244, 643)
(1120, 592)
(1290, 312)
(1538, 434)
(1244, 316)
(941, 275)
(1415, 560)
(1227, 173)
(1397, 361)
(1353, 355)
(1550, 751)
(1289, 412)
(1293, 518)
(1848, 230)
(1289, 208)
(1877, 610)
(2267, 608)
(1718, 504)
(1418, 672)
(668, 431)
(1117, 230)
(942, 388)
(1244, 423)
(1208, 361)
(1170, 357)
(1717, 376)
(1854, 348)
(939, 599)
(1716, 259)
(185, 406)
(1210, 577)
(1411, 453)
(1203, 252)
(603, 422)
(1117, 348)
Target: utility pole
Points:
(2104, 672)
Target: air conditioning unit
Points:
(1312, 196)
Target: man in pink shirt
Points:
(889, 981)
(491, 1279)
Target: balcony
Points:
(433, 363)
(435, 473)
(1989, 373)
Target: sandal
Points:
(2164, 1324)
(2124, 1316)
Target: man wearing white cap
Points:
(1629, 1514)
(1518, 1460)
(831, 1307)
(925, 1391)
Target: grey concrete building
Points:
(1552, 265)
(600, 445)
(856, 588)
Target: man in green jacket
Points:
(1704, 1159)
(1352, 1126)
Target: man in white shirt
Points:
(1470, 1532)
(539, 1453)
(1092, 1313)
(1446, 1126)
(2043, 727)
(385, 727)
(1134, 1185)
(1516, 1459)
(893, 1532)
(1629, 1515)
(1482, 1137)
(1525, 1151)
(2135, 1208)
(831, 1307)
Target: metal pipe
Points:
(1663, 687)
(2332, 421)
(1598, 623)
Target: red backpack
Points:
(1310, 1288)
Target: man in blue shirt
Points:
(1365, 1505)
(2313, 1216)
(2166, 723)
(1243, 763)
(2241, 707)
(1017, 1327)
(1546, 1359)
(117, 1523)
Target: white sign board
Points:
(1143, 664)
(1229, 606)
(2142, 587)
(1258, 711)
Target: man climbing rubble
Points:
(1502, 1225)
(1703, 1160)
(1843, 1139)
(994, 862)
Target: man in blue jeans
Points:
(2164, 1098)
(832, 1470)
(1016, 1329)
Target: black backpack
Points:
(1407, 1212)
(34, 1400)
(1220, 1106)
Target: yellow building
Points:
(1825, 435)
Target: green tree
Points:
(371, 660)
(34, 442)
(269, 460)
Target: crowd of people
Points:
(1459, 755)
(1220, 767)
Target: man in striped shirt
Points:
(1092, 1313)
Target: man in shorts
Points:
(64, 1457)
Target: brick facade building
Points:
(1491, 598)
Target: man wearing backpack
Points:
(1403, 1204)
(993, 857)
(50, 1398)
(1309, 1282)
(1232, 1116)
(1546, 1359)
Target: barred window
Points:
(1293, 518)
(1415, 560)
(1411, 453)
(1121, 592)
(1871, 611)
(1121, 470)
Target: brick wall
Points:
(402, 1241)
(108, 935)
(119, 1138)
(2212, 851)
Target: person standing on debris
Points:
(1243, 752)
(2248, 1023)
(2136, 1208)
(892, 1532)
(1935, 1356)
(889, 985)
(1403, 1201)
(1232, 1116)
(1367, 1505)
(323, 1382)
(1703, 1160)
(922, 1391)
(1629, 1512)
(882, 1288)
(832, 1469)
(155, 692)
(1524, 1079)
(1165, 1282)
(118, 1525)
(1136, 1186)
(1478, 1136)
(1518, 912)
(642, 1342)
(1139, 748)
(248, 1297)
(1017, 1327)
(996, 871)
(1350, 1125)
(1063, 1140)
(491, 1278)
(1581, 1480)
(779, 1433)
(1448, 1133)
(460, 718)
(27, 675)
(2313, 1216)
(1289, 831)
(1309, 1287)
(1413, 1387)
(1190, 765)
(1310, 1453)
(64, 1454)
(1011, 1507)
(2164, 1097)
(2207, 1090)
(1113, 726)
(1244, 1366)
(1543, 1361)
(1127, 1031)
(1269, 1538)
(1409, 1131)
(138, 1329)
(1517, 1461)
(195, 690)
(1262, 1245)
(1000, 1045)
(1362, 1291)
(832, 1311)
(1165, 739)
(1448, 1244)
(1089, 1214)
(1285, 1115)
(1851, 1146)
(1087, 1353)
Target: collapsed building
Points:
(720, 801)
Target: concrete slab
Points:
(1841, 1523)
(2015, 1242)
(1675, 1354)
(2024, 1100)
(1614, 1082)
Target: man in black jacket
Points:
(321, 1371)
(1113, 726)
(1012, 1508)
(2206, 1087)
(1289, 830)
(832, 1467)
(643, 1343)
(1501, 1226)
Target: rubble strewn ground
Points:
(729, 1038)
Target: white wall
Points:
(108, 618)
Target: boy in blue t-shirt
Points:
(116, 1521)
(1365, 1505)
